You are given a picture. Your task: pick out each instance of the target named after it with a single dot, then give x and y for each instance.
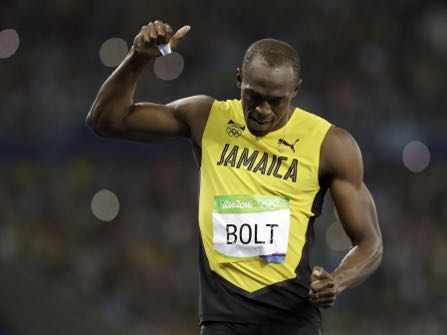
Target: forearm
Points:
(115, 97)
(360, 262)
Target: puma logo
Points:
(291, 146)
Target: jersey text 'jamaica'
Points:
(257, 162)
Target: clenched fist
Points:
(157, 33)
(322, 288)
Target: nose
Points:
(263, 108)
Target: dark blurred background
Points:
(100, 237)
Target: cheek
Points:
(281, 109)
(248, 104)
(245, 107)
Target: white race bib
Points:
(251, 226)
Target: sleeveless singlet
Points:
(258, 199)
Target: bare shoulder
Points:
(340, 155)
(194, 112)
(200, 104)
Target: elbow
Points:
(377, 253)
(90, 122)
(95, 125)
(100, 127)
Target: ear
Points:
(238, 77)
(297, 88)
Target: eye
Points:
(275, 101)
(253, 96)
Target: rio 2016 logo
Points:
(237, 204)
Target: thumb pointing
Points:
(173, 42)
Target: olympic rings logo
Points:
(233, 131)
(269, 204)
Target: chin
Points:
(258, 132)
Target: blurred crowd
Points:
(375, 68)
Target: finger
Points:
(320, 285)
(139, 41)
(178, 36)
(145, 34)
(325, 274)
(160, 30)
(152, 31)
(316, 273)
(324, 294)
(322, 300)
(169, 32)
(319, 273)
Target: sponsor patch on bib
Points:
(251, 227)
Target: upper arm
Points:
(342, 166)
(147, 122)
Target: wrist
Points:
(338, 283)
(135, 62)
(138, 56)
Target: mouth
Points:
(260, 122)
(258, 127)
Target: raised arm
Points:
(341, 164)
(114, 114)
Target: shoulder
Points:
(228, 105)
(340, 155)
(310, 124)
(193, 111)
(200, 104)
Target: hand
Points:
(322, 292)
(157, 33)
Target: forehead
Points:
(261, 77)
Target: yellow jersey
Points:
(258, 198)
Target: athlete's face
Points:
(266, 93)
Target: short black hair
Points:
(275, 53)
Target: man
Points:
(264, 169)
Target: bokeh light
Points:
(113, 51)
(169, 67)
(416, 156)
(9, 42)
(336, 237)
(105, 205)
(434, 29)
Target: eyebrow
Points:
(265, 97)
